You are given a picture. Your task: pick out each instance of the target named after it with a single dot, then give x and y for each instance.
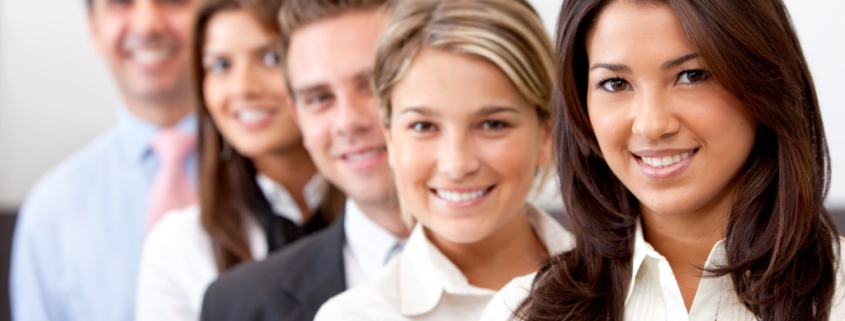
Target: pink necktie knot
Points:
(173, 145)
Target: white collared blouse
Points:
(422, 284)
(177, 262)
(654, 294)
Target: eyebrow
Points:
(310, 89)
(270, 45)
(363, 76)
(485, 111)
(666, 65)
(677, 61)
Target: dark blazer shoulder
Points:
(289, 284)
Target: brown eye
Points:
(615, 85)
(693, 76)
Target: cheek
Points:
(215, 99)
(409, 164)
(315, 137)
(182, 22)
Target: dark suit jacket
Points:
(290, 284)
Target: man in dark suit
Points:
(328, 50)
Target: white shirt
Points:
(177, 262)
(368, 246)
(654, 293)
(421, 283)
(283, 203)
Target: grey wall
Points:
(56, 93)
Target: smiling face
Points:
(329, 66)
(668, 131)
(146, 43)
(244, 88)
(464, 146)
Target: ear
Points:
(93, 31)
(388, 139)
(293, 111)
(545, 156)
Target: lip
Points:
(257, 124)
(379, 155)
(487, 191)
(668, 171)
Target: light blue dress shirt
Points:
(79, 233)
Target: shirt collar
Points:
(283, 203)
(369, 242)
(643, 250)
(136, 135)
(425, 273)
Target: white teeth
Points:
(252, 115)
(364, 155)
(660, 162)
(457, 197)
(150, 56)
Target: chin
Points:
(458, 232)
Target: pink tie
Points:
(171, 188)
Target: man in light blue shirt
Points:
(80, 231)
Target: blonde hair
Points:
(507, 33)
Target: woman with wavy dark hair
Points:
(259, 189)
(694, 169)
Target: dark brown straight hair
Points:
(782, 246)
(228, 191)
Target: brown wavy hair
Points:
(227, 187)
(782, 245)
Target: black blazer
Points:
(290, 284)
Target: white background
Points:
(56, 93)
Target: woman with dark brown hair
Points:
(694, 168)
(259, 189)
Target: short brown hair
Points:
(296, 14)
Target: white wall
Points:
(56, 94)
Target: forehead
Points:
(235, 29)
(456, 84)
(335, 50)
(97, 6)
(630, 30)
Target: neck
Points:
(162, 112)
(513, 250)
(386, 214)
(686, 240)
(291, 168)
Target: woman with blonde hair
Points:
(464, 88)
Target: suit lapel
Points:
(319, 273)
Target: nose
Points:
(147, 17)
(247, 82)
(653, 118)
(356, 114)
(456, 157)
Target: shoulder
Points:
(178, 229)
(505, 302)
(363, 302)
(66, 187)
(307, 262)
(837, 311)
(377, 299)
(177, 250)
